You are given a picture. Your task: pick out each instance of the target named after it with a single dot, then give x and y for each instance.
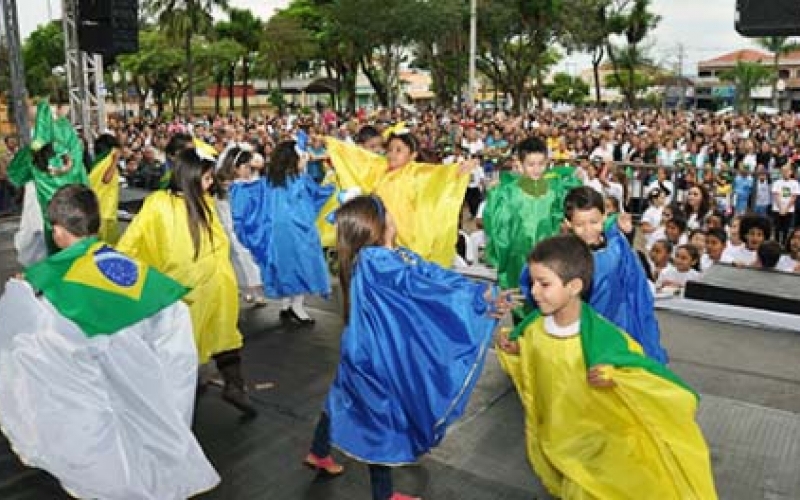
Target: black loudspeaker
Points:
(108, 27)
(767, 17)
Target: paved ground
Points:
(750, 413)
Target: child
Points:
(631, 428)
(620, 289)
(426, 199)
(790, 262)
(104, 181)
(523, 210)
(768, 255)
(734, 239)
(651, 219)
(686, 267)
(753, 230)
(762, 192)
(274, 218)
(716, 249)
(413, 348)
(697, 238)
(660, 256)
(53, 159)
(675, 231)
(784, 194)
(742, 190)
(235, 168)
(99, 367)
(177, 233)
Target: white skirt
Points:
(29, 239)
(247, 271)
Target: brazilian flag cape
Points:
(605, 344)
(100, 289)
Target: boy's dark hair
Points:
(679, 221)
(366, 133)
(754, 221)
(694, 254)
(568, 256)
(769, 253)
(75, 208)
(178, 143)
(583, 198)
(530, 145)
(718, 234)
(104, 144)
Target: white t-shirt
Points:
(615, 190)
(763, 194)
(741, 255)
(677, 277)
(785, 189)
(595, 184)
(706, 262)
(667, 184)
(786, 264)
(653, 217)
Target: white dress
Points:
(29, 239)
(247, 272)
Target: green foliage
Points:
(41, 52)
(277, 99)
(567, 89)
(641, 81)
(746, 76)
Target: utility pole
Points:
(473, 49)
(681, 86)
(17, 98)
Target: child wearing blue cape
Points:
(620, 290)
(414, 344)
(274, 218)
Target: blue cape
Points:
(411, 354)
(277, 225)
(620, 292)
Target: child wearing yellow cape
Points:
(601, 419)
(425, 198)
(104, 181)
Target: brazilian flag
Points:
(100, 289)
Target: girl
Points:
(177, 233)
(697, 237)
(790, 262)
(660, 255)
(675, 231)
(753, 230)
(413, 347)
(686, 267)
(716, 241)
(697, 207)
(734, 240)
(104, 181)
(274, 218)
(236, 168)
(651, 219)
(426, 199)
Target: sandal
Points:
(325, 464)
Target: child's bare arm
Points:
(599, 376)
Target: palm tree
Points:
(779, 46)
(746, 76)
(181, 19)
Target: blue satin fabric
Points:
(277, 225)
(620, 292)
(411, 354)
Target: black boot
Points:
(229, 365)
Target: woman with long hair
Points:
(178, 232)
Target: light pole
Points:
(781, 88)
(473, 48)
(116, 78)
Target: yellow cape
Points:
(425, 200)
(107, 196)
(636, 440)
(159, 235)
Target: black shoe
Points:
(238, 398)
(292, 315)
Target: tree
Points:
(638, 22)
(182, 19)
(42, 51)
(567, 89)
(153, 68)
(746, 76)
(779, 46)
(286, 44)
(246, 30)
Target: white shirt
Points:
(653, 217)
(763, 193)
(563, 332)
(677, 277)
(615, 190)
(667, 183)
(741, 254)
(785, 189)
(595, 184)
(786, 264)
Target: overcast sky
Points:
(704, 28)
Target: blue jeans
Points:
(380, 476)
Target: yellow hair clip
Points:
(205, 150)
(398, 128)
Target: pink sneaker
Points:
(401, 496)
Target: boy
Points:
(620, 290)
(98, 367)
(784, 194)
(523, 210)
(601, 419)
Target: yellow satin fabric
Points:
(327, 231)
(636, 440)
(159, 235)
(107, 196)
(425, 200)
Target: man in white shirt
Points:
(784, 194)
